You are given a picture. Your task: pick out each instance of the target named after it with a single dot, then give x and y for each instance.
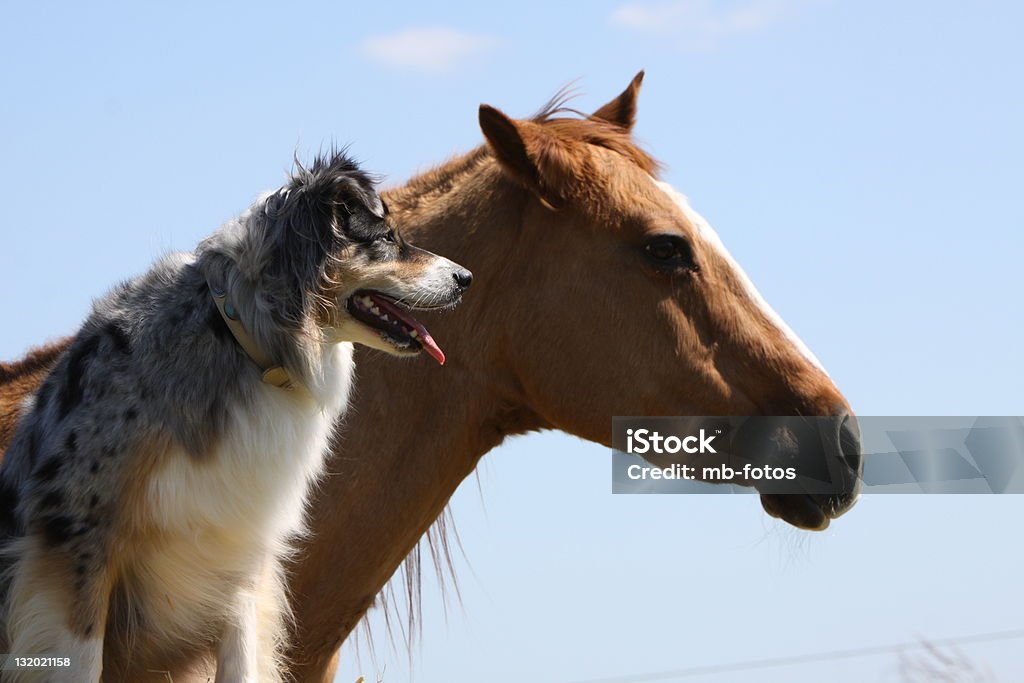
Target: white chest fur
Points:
(219, 515)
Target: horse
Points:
(599, 292)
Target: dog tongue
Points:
(423, 337)
(429, 344)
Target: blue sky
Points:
(863, 161)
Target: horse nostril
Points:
(849, 442)
(463, 278)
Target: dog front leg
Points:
(251, 642)
(51, 615)
(238, 653)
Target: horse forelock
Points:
(599, 133)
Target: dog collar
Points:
(273, 374)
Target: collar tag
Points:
(273, 374)
(278, 377)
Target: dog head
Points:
(328, 254)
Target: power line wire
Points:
(808, 658)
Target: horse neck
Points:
(472, 217)
(415, 430)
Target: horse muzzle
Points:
(826, 452)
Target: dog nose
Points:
(463, 278)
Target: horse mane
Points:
(438, 180)
(37, 359)
(401, 599)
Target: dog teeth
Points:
(414, 334)
(367, 304)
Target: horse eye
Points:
(669, 252)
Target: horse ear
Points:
(525, 150)
(622, 110)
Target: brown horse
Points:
(599, 292)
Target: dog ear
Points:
(364, 193)
(535, 157)
(622, 110)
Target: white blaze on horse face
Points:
(708, 234)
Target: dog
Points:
(150, 493)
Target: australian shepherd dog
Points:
(155, 480)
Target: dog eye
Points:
(389, 236)
(669, 253)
